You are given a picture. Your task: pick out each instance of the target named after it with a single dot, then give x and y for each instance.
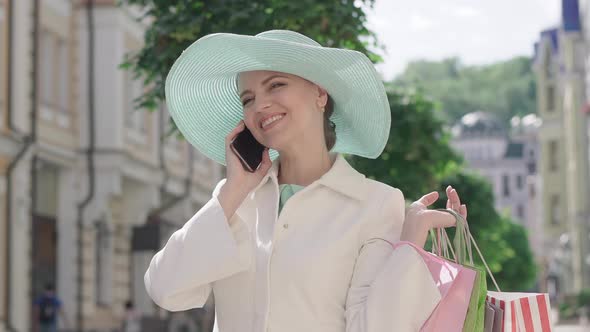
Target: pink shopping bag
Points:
(455, 283)
(523, 312)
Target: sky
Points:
(476, 31)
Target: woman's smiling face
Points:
(281, 109)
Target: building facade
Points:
(507, 157)
(89, 189)
(560, 63)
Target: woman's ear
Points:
(322, 99)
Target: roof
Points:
(551, 36)
(570, 21)
(480, 124)
(570, 15)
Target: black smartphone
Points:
(248, 150)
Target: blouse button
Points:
(285, 226)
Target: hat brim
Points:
(202, 94)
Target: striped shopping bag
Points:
(523, 312)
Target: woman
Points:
(298, 244)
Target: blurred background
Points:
(491, 97)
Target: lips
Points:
(270, 120)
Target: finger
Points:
(266, 163)
(448, 190)
(429, 198)
(439, 219)
(463, 211)
(455, 202)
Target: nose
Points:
(263, 103)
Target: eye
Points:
(276, 85)
(246, 101)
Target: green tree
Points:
(175, 24)
(504, 88)
(503, 243)
(418, 159)
(417, 154)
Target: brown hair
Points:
(329, 126)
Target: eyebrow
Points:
(263, 83)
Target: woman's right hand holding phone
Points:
(239, 181)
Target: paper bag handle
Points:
(463, 228)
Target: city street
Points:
(119, 197)
(572, 328)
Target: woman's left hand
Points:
(419, 219)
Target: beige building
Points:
(560, 59)
(88, 190)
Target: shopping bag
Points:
(493, 317)
(498, 318)
(475, 319)
(523, 312)
(489, 318)
(406, 292)
(520, 312)
(455, 283)
(460, 251)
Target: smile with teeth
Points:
(271, 120)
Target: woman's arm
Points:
(390, 290)
(207, 248)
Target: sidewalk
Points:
(571, 328)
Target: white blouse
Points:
(319, 266)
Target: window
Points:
(54, 71)
(174, 145)
(552, 154)
(532, 191)
(548, 60)
(135, 118)
(519, 181)
(506, 185)
(532, 167)
(63, 75)
(550, 98)
(46, 67)
(520, 211)
(3, 55)
(554, 211)
(103, 263)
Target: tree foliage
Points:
(505, 88)
(503, 242)
(418, 153)
(172, 25)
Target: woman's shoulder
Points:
(378, 191)
(387, 207)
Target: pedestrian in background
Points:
(46, 308)
(132, 321)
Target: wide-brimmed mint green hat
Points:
(202, 93)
